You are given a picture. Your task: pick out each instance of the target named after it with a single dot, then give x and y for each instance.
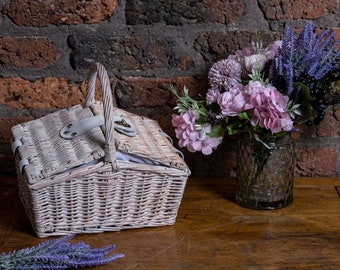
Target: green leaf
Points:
(216, 131)
(307, 110)
(235, 127)
(304, 91)
(244, 116)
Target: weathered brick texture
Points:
(141, 53)
(43, 13)
(330, 126)
(298, 9)
(316, 162)
(154, 92)
(183, 12)
(44, 93)
(21, 52)
(214, 45)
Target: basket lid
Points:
(44, 153)
(150, 143)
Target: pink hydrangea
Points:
(268, 107)
(192, 138)
(204, 143)
(184, 125)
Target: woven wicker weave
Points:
(81, 186)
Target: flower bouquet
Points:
(265, 92)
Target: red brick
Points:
(43, 13)
(337, 114)
(330, 125)
(183, 12)
(298, 9)
(317, 162)
(337, 31)
(41, 94)
(334, 29)
(154, 92)
(20, 52)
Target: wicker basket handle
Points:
(98, 69)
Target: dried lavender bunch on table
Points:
(57, 254)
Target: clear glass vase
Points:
(265, 172)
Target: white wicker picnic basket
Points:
(97, 168)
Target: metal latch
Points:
(77, 128)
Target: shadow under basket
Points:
(110, 170)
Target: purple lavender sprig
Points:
(307, 66)
(282, 70)
(306, 54)
(57, 254)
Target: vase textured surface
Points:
(265, 173)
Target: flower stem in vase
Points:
(265, 173)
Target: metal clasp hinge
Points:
(77, 128)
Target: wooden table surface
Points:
(211, 231)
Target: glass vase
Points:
(265, 172)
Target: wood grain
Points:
(211, 231)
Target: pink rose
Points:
(246, 51)
(233, 101)
(254, 62)
(272, 51)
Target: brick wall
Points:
(145, 45)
